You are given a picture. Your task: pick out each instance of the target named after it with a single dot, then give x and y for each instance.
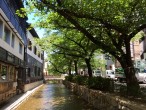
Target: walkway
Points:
(15, 101)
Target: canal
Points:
(53, 96)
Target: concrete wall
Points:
(30, 86)
(104, 101)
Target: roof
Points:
(32, 31)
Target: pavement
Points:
(15, 101)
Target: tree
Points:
(70, 45)
(110, 24)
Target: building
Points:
(34, 62)
(136, 50)
(45, 68)
(12, 47)
(21, 60)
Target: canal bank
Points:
(15, 101)
(104, 101)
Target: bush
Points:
(69, 78)
(81, 80)
(99, 83)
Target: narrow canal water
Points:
(54, 97)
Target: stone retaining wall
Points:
(104, 101)
(30, 86)
(7, 90)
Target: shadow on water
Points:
(54, 96)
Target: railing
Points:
(12, 18)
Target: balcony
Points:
(13, 19)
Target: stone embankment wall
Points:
(104, 101)
(7, 90)
(30, 86)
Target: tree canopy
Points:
(110, 24)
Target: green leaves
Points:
(138, 36)
(109, 24)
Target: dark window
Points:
(13, 41)
(42, 56)
(28, 72)
(39, 71)
(3, 54)
(3, 72)
(39, 55)
(35, 70)
(20, 48)
(1, 29)
(29, 45)
(7, 35)
(35, 50)
(10, 57)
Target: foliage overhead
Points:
(110, 24)
(107, 23)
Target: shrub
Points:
(99, 83)
(81, 80)
(69, 78)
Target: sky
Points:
(39, 31)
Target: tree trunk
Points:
(87, 60)
(133, 88)
(76, 67)
(69, 68)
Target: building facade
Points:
(35, 58)
(45, 71)
(21, 64)
(12, 47)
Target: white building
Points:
(35, 58)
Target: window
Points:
(39, 55)
(35, 50)
(10, 57)
(42, 56)
(1, 29)
(3, 72)
(35, 71)
(39, 71)
(12, 41)
(7, 35)
(29, 45)
(28, 72)
(20, 48)
(11, 72)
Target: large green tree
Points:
(71, 45)
(110, 24)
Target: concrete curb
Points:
(15, 104)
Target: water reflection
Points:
(54, 97)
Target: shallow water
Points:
(54, 97)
